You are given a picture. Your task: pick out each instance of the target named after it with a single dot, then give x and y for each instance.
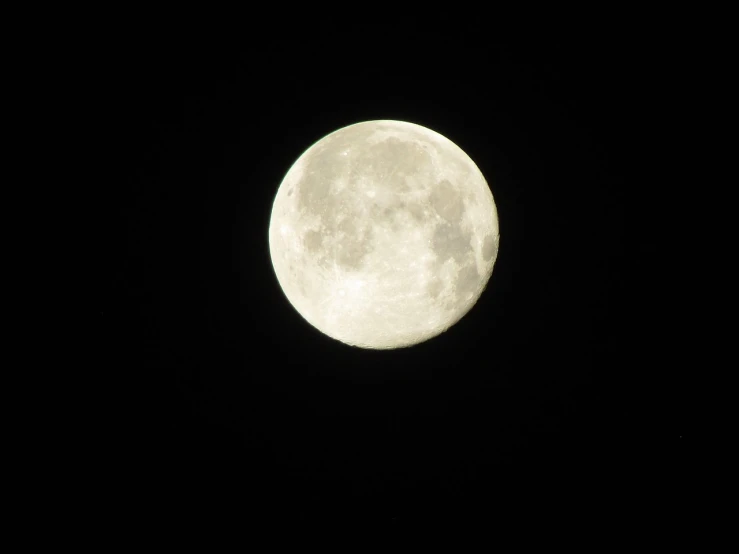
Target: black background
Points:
(541, 400)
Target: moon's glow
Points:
(383, 234)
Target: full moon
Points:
(383, 234)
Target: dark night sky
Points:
(539, 399)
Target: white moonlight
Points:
(383, 234)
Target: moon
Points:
(383, 234)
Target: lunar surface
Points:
(383, 234)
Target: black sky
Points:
(542, 397)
